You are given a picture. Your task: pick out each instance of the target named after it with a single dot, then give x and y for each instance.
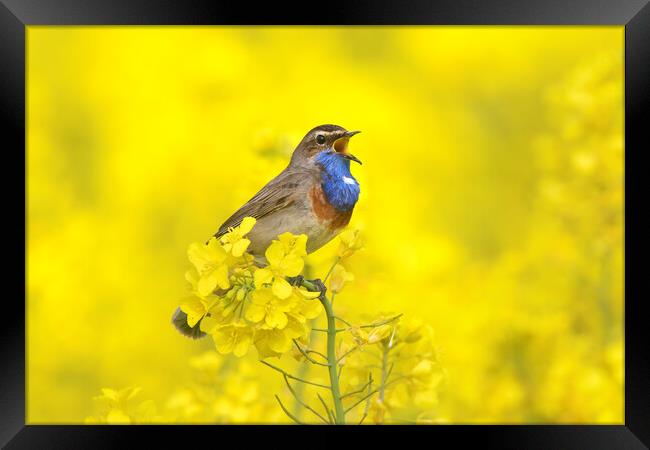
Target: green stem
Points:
(329, 272)
(339, 411)
(384, 376)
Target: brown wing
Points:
(279, 193)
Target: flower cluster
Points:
(240, 304)
(349, 243)
(224, 389)
(117, 407)
(399, 362)
(392, 369)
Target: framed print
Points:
(365, 214)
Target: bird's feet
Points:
(318, 285)
(296, 281)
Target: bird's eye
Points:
(320, 139)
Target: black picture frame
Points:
(15, 15)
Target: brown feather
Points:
(277, 194)
(324, 210)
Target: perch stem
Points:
(339, 411)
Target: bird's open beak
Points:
(351, 157)
(341, 146)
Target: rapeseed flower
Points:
(210, 261)
(306, 306)
(275, 341)
(197, 307)
(225, 389)
(408, 376)
(339, 278)
(117, 407)
(234, 241)
(349, 243)
(233, 338)
(239, 303)
(265, 306)
(285, 258)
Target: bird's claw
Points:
(296, 281)
(320, 287)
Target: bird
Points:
(314, 195)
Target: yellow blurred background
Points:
(491, 205)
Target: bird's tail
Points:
(179, 320)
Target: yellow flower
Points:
(380, 333)
(117, 407)
(214, 317)
(423, 369)
(344, 350)
(210, 261)
(305, 306)
(117, 417)
(265, 306)
(262, 339)
(376, 334)
(233, 338)
(427, 398)
(339, 278)
(234, 242)
(293, 244)
(242, 285)
(411, 331)
(350, 242)
(377, 411)
(409, 348)
(296, 354)
(285, 258)
(207, 362)
(196, 307)
(359, 335)
(120, 396)
(275, 341)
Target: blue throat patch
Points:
(342, 195)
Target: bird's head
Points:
(331, 139)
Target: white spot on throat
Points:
(348, 180)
